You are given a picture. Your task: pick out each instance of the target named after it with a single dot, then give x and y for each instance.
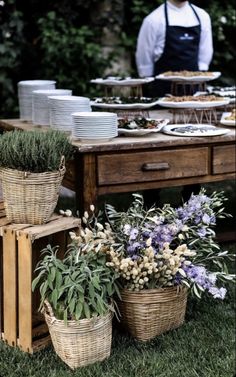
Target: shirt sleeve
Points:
(145, 49)
(206, 44)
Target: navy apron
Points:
(180, 52)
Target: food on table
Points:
(227, 91)
(124, 100)
(191, 129)
(200, 98)
(232, 116)
(185, 73)
(138, 123)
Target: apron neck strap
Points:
(166, 13)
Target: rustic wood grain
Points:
(224, 159)
(9, 286)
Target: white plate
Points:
(139, 132)
(92, 141)
(124, 105)
(142, 131)
(201, 78)
(194, 130)
(193, 104)
(227, 122)
(126, 81)
(228, 95)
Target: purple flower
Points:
(206, 219)
(218, 292)
(202, 232)
(133, 234)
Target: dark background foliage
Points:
(65, 40)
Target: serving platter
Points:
(119, 81)
(227, 122)
(230, 95)
(135, 105)
(194, 130)
(143, 131)
(192, 104)
(200, 78)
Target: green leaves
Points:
(79, 286)
(34, 151)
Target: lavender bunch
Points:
(168, 246)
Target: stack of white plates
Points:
(95, 126)
(25, 96)
(41, 114)
(61, 108)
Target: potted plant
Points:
(76, 295)
(163, 253)
(32, 166)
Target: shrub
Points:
(34, 151)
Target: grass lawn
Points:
(203, 347)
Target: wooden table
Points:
(129, 164)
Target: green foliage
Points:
(79, 286)
(71, 55)
(11, 46)
(34, 151)
(203, 347)
(223, 24)
(63, 40)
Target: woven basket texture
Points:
(30, 198)
(151, 312)
(83, 342)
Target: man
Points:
(175, 36)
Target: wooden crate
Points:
(20, 249)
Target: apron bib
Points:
(180, 51)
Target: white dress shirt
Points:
(151, 38)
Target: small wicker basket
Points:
(151, 312)
(30, 198)
(80, 343)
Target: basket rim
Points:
(146, 291)
(27, 172)
(47, 311)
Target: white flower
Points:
(72, 235)
(2, 3)
(68, 213)
(92, 208)
(86, 215)
(100, 226)
(223, 20)
(61, 212)
(149, 241)
(126, 229)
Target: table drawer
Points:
(223, 159)
(152, 165)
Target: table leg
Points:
(85, 182)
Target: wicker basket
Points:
(151, 312)
(30, 198)
(80, 343)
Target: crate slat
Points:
(20, 322)
(54, 226)
(9, 286)
(25, 291)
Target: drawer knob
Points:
(155, 166)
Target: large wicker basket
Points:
(79, 343)
(30, 198)
(151, 312)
